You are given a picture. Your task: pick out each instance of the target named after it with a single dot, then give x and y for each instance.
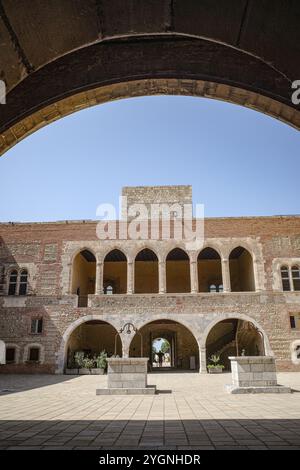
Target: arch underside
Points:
(144, 65)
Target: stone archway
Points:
(93, 342)
(234, 335)
(184, 349)
(146, 48)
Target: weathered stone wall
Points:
(147, 195)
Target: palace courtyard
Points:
(189, 411)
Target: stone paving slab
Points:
(190, 411)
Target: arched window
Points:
(84, 276)
(220, 288)
(146, 272)
(23, 282)
(178, 271)
(285, 278)
(209, 270)
(115, 272)
(212, 288)
(109, 290)
(241, 270)
(13, 279)
(296, 277)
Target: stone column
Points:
(226, 275)
(70, 278)
(194, 276)
(130, 277)
(203, 369)
(257, 286)
(162, 277)
(291, 278)
(99, 278)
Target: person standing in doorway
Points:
(160, 358)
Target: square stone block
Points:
(253, 371)
(257, 367)
(243, 368)
(127, 373)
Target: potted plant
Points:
(87, 365)
(215, 367)
(101, 363)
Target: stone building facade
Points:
(62, 290)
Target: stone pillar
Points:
(291, 278)
(2, 352)
(70, 279)
(130, 277)
(226, 275)
(126, 340)
(254, 374)
(257, 285)
(203, 369)
(99, 278)
(127, 376)
(194, 276)
(162, 277)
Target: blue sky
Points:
(238, 161)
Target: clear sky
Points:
(238, 161)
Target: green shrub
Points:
(87, 363)
(79, 358)
(215, 362)
(101, 360)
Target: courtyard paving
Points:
(191, 411)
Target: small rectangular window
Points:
(10, 355)
(34, 354)
(36, 325)
(292, 321)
